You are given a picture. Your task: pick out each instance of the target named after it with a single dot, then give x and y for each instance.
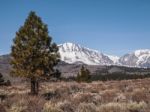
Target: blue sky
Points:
(110, 26)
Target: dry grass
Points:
(110, 96)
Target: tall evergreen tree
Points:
(33, 53)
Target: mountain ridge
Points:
(73, 53)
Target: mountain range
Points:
(74, 53)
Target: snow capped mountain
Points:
(138, 58)
(74, 53)
(115, 59)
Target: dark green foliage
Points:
(3, 82)
(8, 83)
(83, 75)
(121, 73)
(67, 79)
(118, 76)
(57, 74)
(1, 79)
(33, 53)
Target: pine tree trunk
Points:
(34, 86)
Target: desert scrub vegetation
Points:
(98, 96)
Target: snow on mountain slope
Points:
(143, 56)
(115, 59)
(72, 53)
(138, 58)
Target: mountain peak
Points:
(141, 52)
(70, 47)
(72, 53)
(138, 58)
(69, 44)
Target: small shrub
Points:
(50, 107)
(66, 106)
(139, 95)
(136, 107)
(112, 107)
(4, 82)
(18, 107)
(35, 104)
(8, 83)
(82, 97)
(86, 107)
(120, 98)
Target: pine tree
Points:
(34, 55)
(83, 75)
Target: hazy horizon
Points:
(111, 27)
